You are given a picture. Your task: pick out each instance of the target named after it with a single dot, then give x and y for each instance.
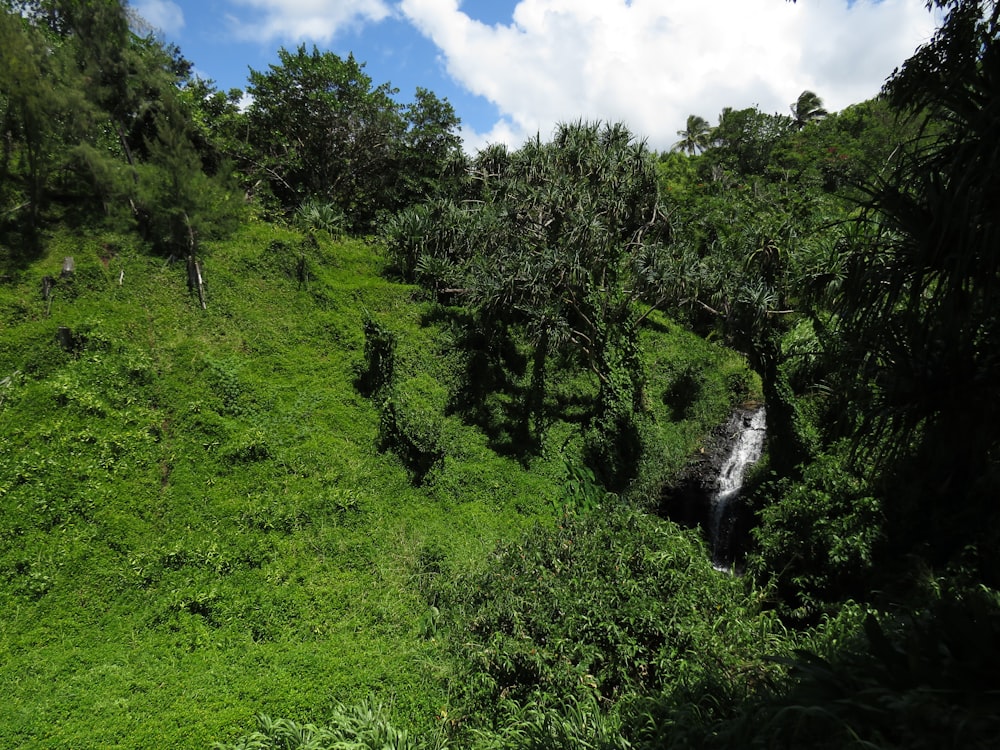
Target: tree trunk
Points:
(195, 282)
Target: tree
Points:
(217, 124)
(179, 204)
(318, 129)
(93, 120)
(34, 108)
(807, 108)
(840, 151)
(431, 160)
(551, 244)
(918, 312)
(740, 265)
(694, 137)
(743, 142)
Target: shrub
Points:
(314, 215)
(925, 681)
(818, 536)
(412, 434)
(380, 358)
(609, 606)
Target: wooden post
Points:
(47, 285)
(194, 279)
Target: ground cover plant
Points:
(267, 482)
(198, 522)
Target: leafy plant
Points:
(925, 680)
(413, 434)
(314, 215)
(360, 727)
(604, 608)
(380, 359)
(818, 537)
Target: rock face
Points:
(707, 492)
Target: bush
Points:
(925, 681)
(818, 536)
(380, 359)
(412, 434)
(314, 215)
(607, 607)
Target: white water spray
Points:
(745, 453)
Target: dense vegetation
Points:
(330, 435)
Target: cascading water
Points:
(750, 429)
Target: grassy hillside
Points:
(196, 522)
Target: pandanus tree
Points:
(550, 243)
(740, 266)
(919, 309)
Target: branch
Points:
(710, 309)
(269, 171)
(16, 208)
(654, 306)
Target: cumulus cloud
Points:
(314, 20)
(163, 15)
(651, 63)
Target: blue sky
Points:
(513, 68)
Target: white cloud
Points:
(163, 15)
(315, 20)
(651, 63)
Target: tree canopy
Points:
(319, 128)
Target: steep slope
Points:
(196, 521)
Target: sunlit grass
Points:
(196, 524)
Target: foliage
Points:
(319, 129)
(918, 306)
(179, 204)
(740, 265)
(922, 680)
(695, 136)
(380, 359)
(571, 724)
(95, 129)
(430, 242)
(610, 605)
(194, 501)
(315, 216)
(413, 434)
(807, 108)
(199, 518)
(549, 246)
(743, 142)
(39, 131)
(361, 727)
(818, 537)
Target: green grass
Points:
(196, 525)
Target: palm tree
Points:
(694, 137)
(807, 108)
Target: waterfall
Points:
(749, 429)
